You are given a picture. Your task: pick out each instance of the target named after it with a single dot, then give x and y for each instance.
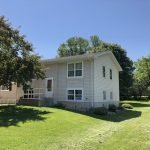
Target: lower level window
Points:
(104, 95)
(111, 95)
(74, 94)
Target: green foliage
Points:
(78, 45)
(17, 61)
(142, 72)
(73, 46)
(141, 82)
(126, 76)
(120, 107)
(112, 108)
(128, 106)
(59, 105)
(34, 128)
(100, 111)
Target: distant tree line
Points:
(135, 77)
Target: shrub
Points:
(100, 111)
(59, 105)
(112, 108)
(120, 107)
(128, 106)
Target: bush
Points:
(59, 105)
(100, 111)
(112, 108)
(120, 107)
(128, 106)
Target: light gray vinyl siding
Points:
(105, 84)
(61, 82)
(86, 82)
(92, 82)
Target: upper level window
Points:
(104, 72)
(110, 73)
(75, 70)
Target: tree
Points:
(73, 46)
(94, 45)
(126, 76)
(17, 62)
(142, 72)
(142, 76)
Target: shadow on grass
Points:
(120, 116)
(135, 104)
(114, 117)
(12, 115)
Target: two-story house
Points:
(78, 82)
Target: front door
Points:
(49, 87)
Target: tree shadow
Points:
(113, 117)
(120, 116)
(12, 115)
(135, 104)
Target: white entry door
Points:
(49, 87)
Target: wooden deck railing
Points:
(34, 93)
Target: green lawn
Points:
(35, 128)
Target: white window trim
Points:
(74, 94)
(111, 96)
(74, 70)
(50, 78)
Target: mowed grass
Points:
(43, 128)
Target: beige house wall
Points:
(11, 97)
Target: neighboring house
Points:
(10, 96)
(78, 82)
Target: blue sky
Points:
(48, 23)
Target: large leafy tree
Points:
(126, 76)
(73, 46)
(17, 62)
(142, 71)
(141, 76)
(95, 45)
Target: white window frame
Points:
(74, 63)
(111, 95)
(74, 94)
(51, 84)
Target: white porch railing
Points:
(34, 93)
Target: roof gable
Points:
(112, 56)
(82, 57)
